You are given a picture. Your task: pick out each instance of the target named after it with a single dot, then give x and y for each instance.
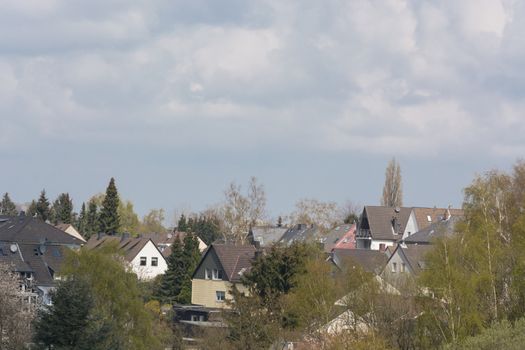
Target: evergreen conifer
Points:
(43, 209)
(63, 209)
(109, 218)
(7, 207)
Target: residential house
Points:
(380, 227)
(300, 233)
(70, 229)
(266, 236)
(36, 251)
(220, 268)
(163, 241)
(372, 261)
(143, 256)
(440, 229)
(341, 237)
(406, 261)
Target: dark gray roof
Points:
(381, 221)
(300, 233)
(444, 228)
(130, 246)
(235, 259)
(266, 235)
(370, 260)
(25, 229)
(415, 256)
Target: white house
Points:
(144, 258)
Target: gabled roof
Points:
(443, 228)
(370, 260)
(26, 229)
(381, 221)
(234, 259)
(130, 246)
(267, 235)
(414, 256)
(300, 233)
(428, 216)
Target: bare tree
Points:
(393, 188)
(312, 211)
(16, 313)
(240, 212)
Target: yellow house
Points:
(221, 267)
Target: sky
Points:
(176, 99)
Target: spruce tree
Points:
(82, 219)
(31, 209)
(191, 256)
(91, 227)
(7, 207)
(43, 210)
(109, 219)
(63, 209)
(172, 280)
(182, 225)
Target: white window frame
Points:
(207, 274)
(220, 296)
(394, 267)
(143, 259)
(156, 260)
(217, 274)
(403, 267)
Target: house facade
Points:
(143, 256)
(221, 267)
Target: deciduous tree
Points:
(393, 188)
(7, 207)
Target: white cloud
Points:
(414, 77)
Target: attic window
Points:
(429, 218)
(217, 274)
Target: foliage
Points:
(69, 322)
(182, 224)
(42, 207)
(116, 295)
(129, 220)
(502, 335)
(152, 222)
(206, 227)
(16, 316)
(63, 209)
(7, 207)
(109, 219)
(393, 187)
(82, 219)
(92, 223)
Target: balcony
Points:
(363, 233)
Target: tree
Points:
(118, 304)
(191, 257)
(311, 211)
(31, 209)
(42, 208)
(129, 220)
(7, 207)
(206, 227)
(15, 330)
(69, 322)
(242, 211)
(109, 219)
(82, 219)
(182, 225)
(92, 222)
(172, 280)
(393, 188)
(63, 209)
(152, 222)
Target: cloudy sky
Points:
(175, 99)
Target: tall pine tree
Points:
(191, 256)
(182, 225)
(7, 207)
(91, 227)
(43, 209)
(109, 219)
(82, 219)
(172, 280)
(63, 209)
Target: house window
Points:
(394, 267)
(220, 296)
(143, 260)
(217, 274)
(207, 274)
(403, 267)
(154, 261)
(382, 246)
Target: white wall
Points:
(148, 271)
(377, 243)
(411, 225)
